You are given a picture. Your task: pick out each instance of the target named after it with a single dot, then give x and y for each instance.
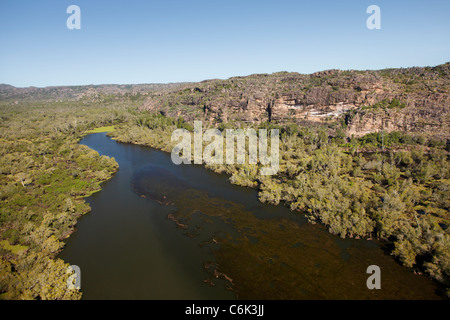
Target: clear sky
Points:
(161, 41)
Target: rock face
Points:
(412, 99)
(435, 122)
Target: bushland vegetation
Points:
(390, 186)
(44, 176)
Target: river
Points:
(162, 231)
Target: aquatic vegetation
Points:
(262, 255)
(392, 187)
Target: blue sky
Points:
(161, 41)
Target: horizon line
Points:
(212, 79)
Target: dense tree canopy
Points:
(391, 186)
(44, 176)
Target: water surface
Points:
(161, 231)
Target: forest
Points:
(390, 186)
(44, 177)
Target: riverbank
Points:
(344, 192)
(46, 176)
(267, 251)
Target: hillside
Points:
(397, 194)
(59, 93)
(411, 100)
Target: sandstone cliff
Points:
(412, 100)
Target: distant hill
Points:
(406, 99)
(76, 92)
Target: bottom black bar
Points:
(224, 309)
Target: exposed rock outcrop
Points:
(412, 99)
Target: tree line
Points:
(390, 186)
(45, 174)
